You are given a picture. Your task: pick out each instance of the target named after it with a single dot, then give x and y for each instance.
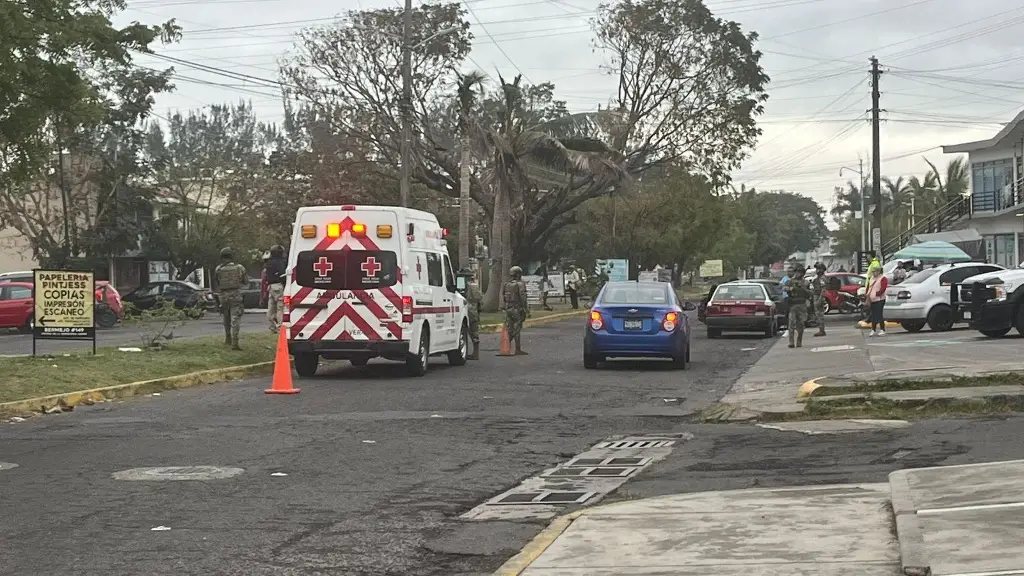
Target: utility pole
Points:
(406, 106)
(876, 158)
(864, 235)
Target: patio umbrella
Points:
(933, 251)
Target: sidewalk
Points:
(848, 356)
(950, 521)
(814, 531)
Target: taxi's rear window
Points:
(346, 270)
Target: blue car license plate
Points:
(633, 324)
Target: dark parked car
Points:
(184, 295)
(251, 295)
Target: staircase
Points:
(942, 219)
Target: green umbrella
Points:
(933, 251)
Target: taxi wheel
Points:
(940, 318)
(912, 325)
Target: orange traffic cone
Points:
(282, 382)
(506, 346)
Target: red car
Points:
(16, 305)
(848, 283)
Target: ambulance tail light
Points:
(308, 231)
(406, 309)
(384, 231)
(348, 207)
(359, 230)
(334, 230)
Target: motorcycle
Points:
(849, 304)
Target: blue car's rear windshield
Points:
(636, 294)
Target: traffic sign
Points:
(65, 305)
(876, 239)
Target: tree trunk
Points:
(500, 249)
(465, 214)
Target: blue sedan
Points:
(637, 320)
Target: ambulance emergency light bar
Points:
(358, 231)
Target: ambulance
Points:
(372, 281)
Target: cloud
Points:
(949, 73)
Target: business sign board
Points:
(65, 304)
(617, 269)
(712, 269)
(556, 288)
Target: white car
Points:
(924, 298)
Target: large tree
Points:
(780, 223)
(62, 66)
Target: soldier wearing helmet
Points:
(231, 278)
(517, 309)
(818, 289)
(799, 294)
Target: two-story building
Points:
(997, 191)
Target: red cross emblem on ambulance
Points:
(323, 267)
(370, 267)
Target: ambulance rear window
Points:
(347, 270)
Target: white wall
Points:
(15, 252)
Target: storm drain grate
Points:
(588, 462)
(603, 471)
(622, 444)
(547, 497)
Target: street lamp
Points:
(863, 205)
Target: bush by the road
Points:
(27, 377)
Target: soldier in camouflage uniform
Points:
(818, 288)
(517, 308)
(799, 294)
(231, 278)
(473, 299)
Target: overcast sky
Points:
(953, 74)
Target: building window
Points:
(989, 179)
(1000, 249)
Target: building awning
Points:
(1011, 134)
(951, 236)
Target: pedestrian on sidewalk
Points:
(274, 269)
(799, 294)
(876, 301)
(818, 289)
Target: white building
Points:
(997, 193)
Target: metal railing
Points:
(946, 216)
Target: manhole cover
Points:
(165, 473)
(567, 472)
(7, 466)
(623, 444)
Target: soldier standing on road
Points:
(517, 308)
(799, 293)
(231, 278)
(473, 299)
(818, 289)
(275, 269)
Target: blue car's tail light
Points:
(670, 322)
(596, 321)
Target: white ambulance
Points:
(372, 281)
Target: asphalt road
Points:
(379, 466)
(12, 344)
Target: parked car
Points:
(252, 294)
(992, 303)
(16, 306)
(924, 298)
(22, 276)
(184, 296)
(637, 320)
(771, 286)
(744, 306)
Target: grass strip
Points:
(27, 377)
(1007, 379)
(880, 408)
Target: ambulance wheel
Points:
(306, 364)
(417, 363)
(460, 355)
(361, 361)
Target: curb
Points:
(495, 328)
(538, 545)
(913, 559)
(70, 399)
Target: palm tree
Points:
(897, 194)
(954, 182)
(925, 193)
(548, 155)
(465, 89)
